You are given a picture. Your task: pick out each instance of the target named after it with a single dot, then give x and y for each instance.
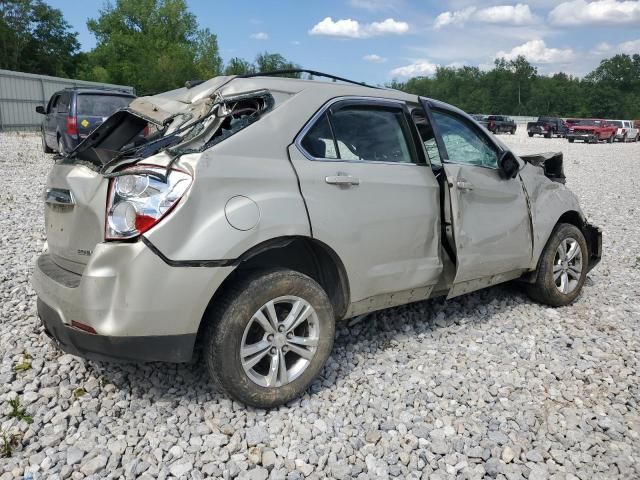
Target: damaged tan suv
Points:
(262, 209)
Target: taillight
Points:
(624, 130)
(547, 127)
(138, 201)
(491, 124)
(72, 125)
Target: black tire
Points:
(547, 135)
(45, 147)
(544, 289)
(530, 134)
(231, 314)
(571, 140)
(611, 138)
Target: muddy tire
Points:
(562, 267)
(268, 336)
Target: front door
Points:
(491, 226)
(371, 197)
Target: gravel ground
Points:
(487, 385)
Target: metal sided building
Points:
(20, 93)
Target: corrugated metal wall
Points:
(20, 93)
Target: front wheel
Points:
(611, 138)
(268, 337)
(530, 134)
(570, 140)
(562, 268)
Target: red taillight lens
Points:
(547, 127)
(491, 124)
(72, 125)
(138, 201)
(624, 130)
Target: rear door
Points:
(491, 226)
(92, 109)
(50, 128)
(371, 197)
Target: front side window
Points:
(362, 132)
(464, 144)
(63, 103)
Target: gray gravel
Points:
(489, 385)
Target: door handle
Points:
(464, 185)
(342, 180)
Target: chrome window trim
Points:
(372, 101)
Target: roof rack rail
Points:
(100, 87)
(304, 70)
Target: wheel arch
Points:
(300, 253)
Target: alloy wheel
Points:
(567, 266)
(279, 341)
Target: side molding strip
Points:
(188, 263)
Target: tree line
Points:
(153, 45)
(157, 45)
(515, 87)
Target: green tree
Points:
(269, 62)
(35, 38)
(154, 45)
(238, 66)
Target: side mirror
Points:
(40, 109)
(508, 164)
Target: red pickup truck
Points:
(591, 130)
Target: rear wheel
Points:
(571, 140)
(45, 147)
(530, 134)
(547, 135)
(562, 267)
(268, 337)
(610, 139)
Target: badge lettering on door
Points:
(86, 253)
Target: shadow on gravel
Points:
(167, 383)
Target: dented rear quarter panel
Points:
(548, 201)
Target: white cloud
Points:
(259, 36)
(296, 42)
(630, 47)
(601, 49)
(519, 14)
(417, 68)
(386, 27)
(374, 58)
(348, 28)
(580, 12)
(536, 51)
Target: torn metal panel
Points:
(551, 164)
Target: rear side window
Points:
(361, 132)
(97, 105)
(63, 103)
(319, 141)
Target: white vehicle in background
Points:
(626, 131)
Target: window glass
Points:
(63, 103)
(372, 133)
(318, 142)
(99, 105)
(53, 102)
(427, 136)
(464, 145)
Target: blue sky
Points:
(377, 40)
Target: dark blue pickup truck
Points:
(73, 113)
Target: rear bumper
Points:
(140, 307)
(164, 348)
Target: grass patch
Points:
(79, 392)
(8, 442)
(18, 411)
